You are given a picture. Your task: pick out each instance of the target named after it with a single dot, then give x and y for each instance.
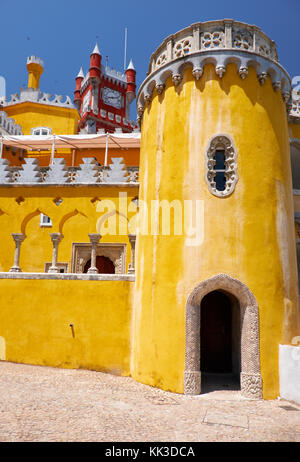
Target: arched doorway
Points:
(104, 265)
(219, 341)
(240, 313)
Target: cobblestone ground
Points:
(48, 404)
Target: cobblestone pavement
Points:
(49, 404)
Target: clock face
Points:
(112, 97)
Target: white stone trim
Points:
(81, 254)
(222, 142)
(69, 276)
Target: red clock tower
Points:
(103, 97)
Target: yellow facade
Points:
(61, 120)
(138, 324)
(241, 238)
(40, 332)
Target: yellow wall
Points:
(63, 121)
(294, 130)
(248, 235)
(36, 314)
(78, 215)
(35, 320)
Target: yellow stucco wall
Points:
(35, 318)
(80, 213)
(35, 314)
(294, 130)
(248, 235)
(63, 121)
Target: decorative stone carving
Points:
(251, 385)
(242, 41)
(81, 254)
(94, 238)
(182, 47)
(161, 60)
(222, 143)
(276, 85)
(148, 97)
(55, 238)
(30, 172)
(197, 72)
(57, 172)
(243, 72)
(176, 79)
(5, 172)
(116, 172)
(295, 110)
(140, 110)
(159, 88)
(262, 77)
(18, 238)
(212, 40)
(88, 172)
(132, 239)
(220, 71)
(251, 382)
(192, 383)
(220, 42)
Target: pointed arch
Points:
(67, 217)
(251, 382)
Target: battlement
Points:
(35, 60)
(8, 125)
(88, 173)
(219, 43)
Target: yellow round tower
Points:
(216, 276)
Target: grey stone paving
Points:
(48, 404)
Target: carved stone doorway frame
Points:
(251, 382)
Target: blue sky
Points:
(63, 33)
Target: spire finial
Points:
(96, 50)
(81, 73)
(130, 66)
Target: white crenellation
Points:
(36, 96)
(220, 43)
(5, 172)
(30, 172)
(88, 172)
(116, 172)
(57, 172)
(8, 125)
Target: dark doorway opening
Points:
(220, 342)
(103, 264)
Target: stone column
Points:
(94, 238)
(131, 267)
(55, 238)
(18, 238)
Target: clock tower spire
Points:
(103, 97)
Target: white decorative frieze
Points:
(30, 172)
(57, 172)
(8, 125)
(212, 39)
(88, 172)
(5, 172)
(182, 47)
(36, 96)
(221, 166)
(220, 43)
(116, 172)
